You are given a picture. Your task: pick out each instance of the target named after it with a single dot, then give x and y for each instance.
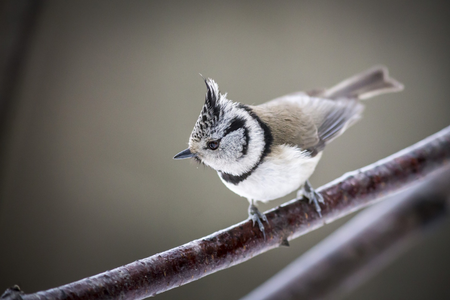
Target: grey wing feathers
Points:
(335, 121)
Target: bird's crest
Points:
(211, 111)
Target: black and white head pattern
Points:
(228, 136)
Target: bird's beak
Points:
(184, 154)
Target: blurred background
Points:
(108, 92)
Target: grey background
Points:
(111, 92)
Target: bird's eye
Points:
(213, 145)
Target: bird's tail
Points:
(367, 84)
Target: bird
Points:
(264, 152)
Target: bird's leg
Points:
(312, 195)
(256, 216)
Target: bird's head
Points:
(226, 136)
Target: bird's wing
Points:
(307, 122)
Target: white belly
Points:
(283, 171)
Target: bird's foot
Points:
(256, 217)
(312, 196)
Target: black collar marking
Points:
(268, 139)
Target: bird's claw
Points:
(256, 217)
(312, 196)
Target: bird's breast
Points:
(283, 171)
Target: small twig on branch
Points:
(360, 248)
(236, 244)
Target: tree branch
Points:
(236, 244)
(18, 20)
(361, 247)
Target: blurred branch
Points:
(236, 244)
(18, 20)
(360, 248)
